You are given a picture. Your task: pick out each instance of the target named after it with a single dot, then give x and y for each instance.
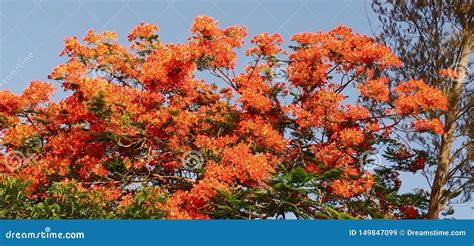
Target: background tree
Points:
(140, 136)
(434, 40)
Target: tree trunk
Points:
(437, 200)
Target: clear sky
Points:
(32, 31)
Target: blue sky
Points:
(32, 31)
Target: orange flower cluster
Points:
(433, 125)
(449, 73)
(215, 46)
(133, 115)
(238, 164)
(38, 92)
(267, 45)
(375, 89)
(143, 31)
(311, 62)
(9, 103)
(348, 187)
(351, 137)
(254, 91)
(167, 68)
(415, 97)
(263, 133)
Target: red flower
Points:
(409, 212)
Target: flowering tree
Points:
(140, 136)
(434, 40)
